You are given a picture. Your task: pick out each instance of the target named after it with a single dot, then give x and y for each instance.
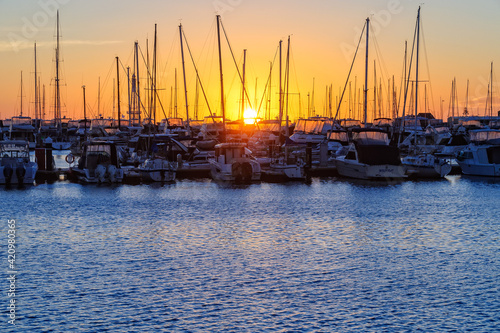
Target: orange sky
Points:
(458, 40)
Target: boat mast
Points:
(118, 91)
(243, 85)
(184, 74)
(153, 91)
(416, 70)
(36, 91)
(466, 111)
(221, 83)
(491, 93)
(175, 97)
(280, 117)
(21, 94)
(268, 114)
(366, 73)
(84, 114)
(57, 115)
(137, 87)
(287, 74)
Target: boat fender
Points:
(7, 173)
(179, 160)
(246, 171)
(112, 170)
(70, 158)
(100, 173)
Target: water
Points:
(197, 256)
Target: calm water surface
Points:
(198, 256)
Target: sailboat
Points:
(283, 166)
(58, 140)
(156, 168)
(233, 161)
(369, 155)
(422, 164)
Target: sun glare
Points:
(249, 116)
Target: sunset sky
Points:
(459, 40)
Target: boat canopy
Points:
(485, 136)
(339, 136)
(18, 147)
(370, 137)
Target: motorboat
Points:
(15, 164)
(482, 156)
(370, 156)
(426, 165)
(98, 164)
(234, 162)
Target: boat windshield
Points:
(492, 136)
(339, 136)
(371, 138)
(99, 148)
(12, 149)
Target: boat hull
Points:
(13, 176)
(363, 171)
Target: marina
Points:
(235, 166)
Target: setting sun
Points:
(249, 116)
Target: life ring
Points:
(70, 158)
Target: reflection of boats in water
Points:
(15, 164)
(98, 164)
(233, 162)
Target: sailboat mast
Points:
(491, 93)
(58, 94)
(36, 92)
(184, 74)
(154, 77)
(466, 111)
(269, 94)
(137, 87)
(416, 68)
(287, 129)
(243, 85)
(84, 113)
(366, 73)
(118, 91)
(21, 94)
(280, 117)
(221, 83)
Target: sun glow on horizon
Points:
(249, 116)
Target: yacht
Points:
(98, 164)
(482, 156)
(370, 156)
(234, 162)
(15, 164)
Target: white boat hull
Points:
(353, 169)
(157, 171)
(489, 170)
(226, 172)
(30, 170)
